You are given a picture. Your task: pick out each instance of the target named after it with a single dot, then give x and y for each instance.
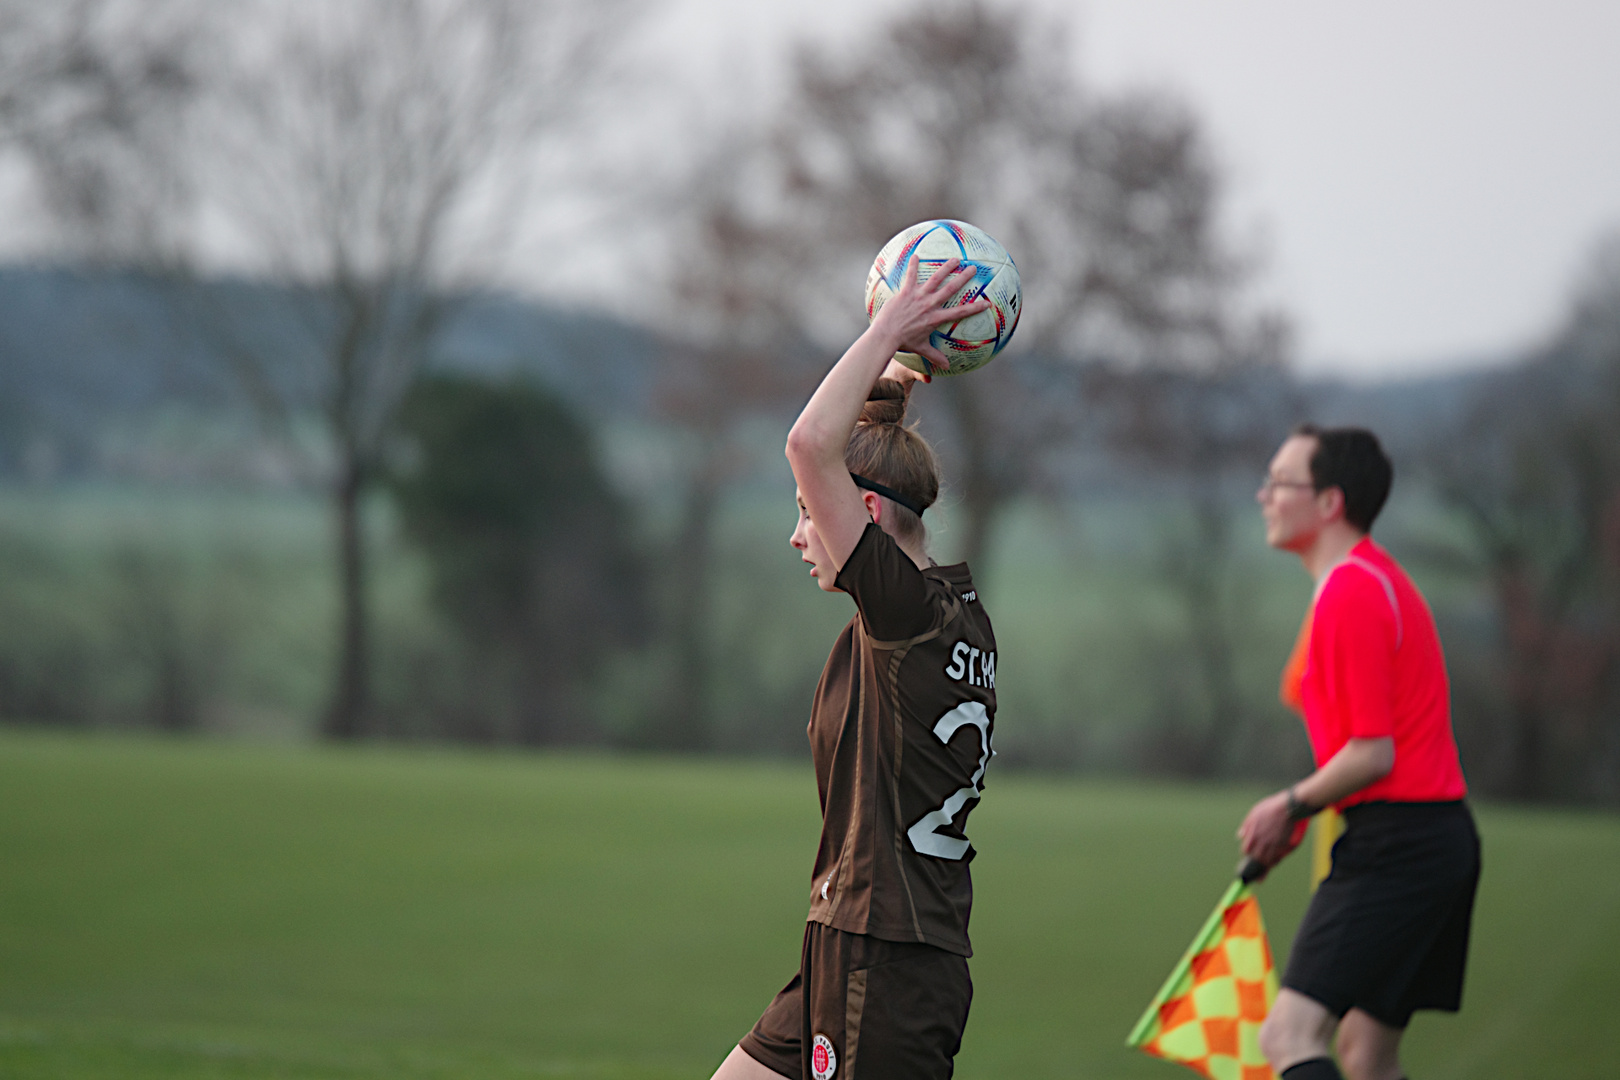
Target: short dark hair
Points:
(1351, 460)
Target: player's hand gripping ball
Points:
(973, 341)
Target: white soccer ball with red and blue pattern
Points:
(975, 340)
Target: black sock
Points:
(1314, 1069)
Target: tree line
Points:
(376, 163)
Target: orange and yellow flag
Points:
(1207, 1015)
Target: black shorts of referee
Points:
(1387, 931)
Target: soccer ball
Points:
(975, 340)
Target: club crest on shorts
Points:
(823, 1062)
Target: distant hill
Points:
(1404, 412)
(82, 353)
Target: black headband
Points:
(888, 493)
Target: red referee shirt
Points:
(1368, 665)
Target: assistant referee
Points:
(1387, 931)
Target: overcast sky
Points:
(1424, 175)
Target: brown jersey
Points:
(900, 732)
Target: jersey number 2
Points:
(925, 835)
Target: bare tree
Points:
(1132, 326)
(967, 111)
(374, 159)
(1203, 431)
(1533, 472)
(735, 354)
(1108, 204)
(92, 95)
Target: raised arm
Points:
(816, 444)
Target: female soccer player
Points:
(899, 730)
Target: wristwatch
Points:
(1299, 811)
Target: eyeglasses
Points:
(1271, 483)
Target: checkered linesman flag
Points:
(1207, 1015)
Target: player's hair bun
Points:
(883, 449)
(886, 404)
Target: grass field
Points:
(203, 910)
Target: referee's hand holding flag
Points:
(1272, 829)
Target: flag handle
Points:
(1250, 870)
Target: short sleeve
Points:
(1354, 639)
(891, 593)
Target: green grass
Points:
(204, 910)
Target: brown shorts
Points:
(864, 1007)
